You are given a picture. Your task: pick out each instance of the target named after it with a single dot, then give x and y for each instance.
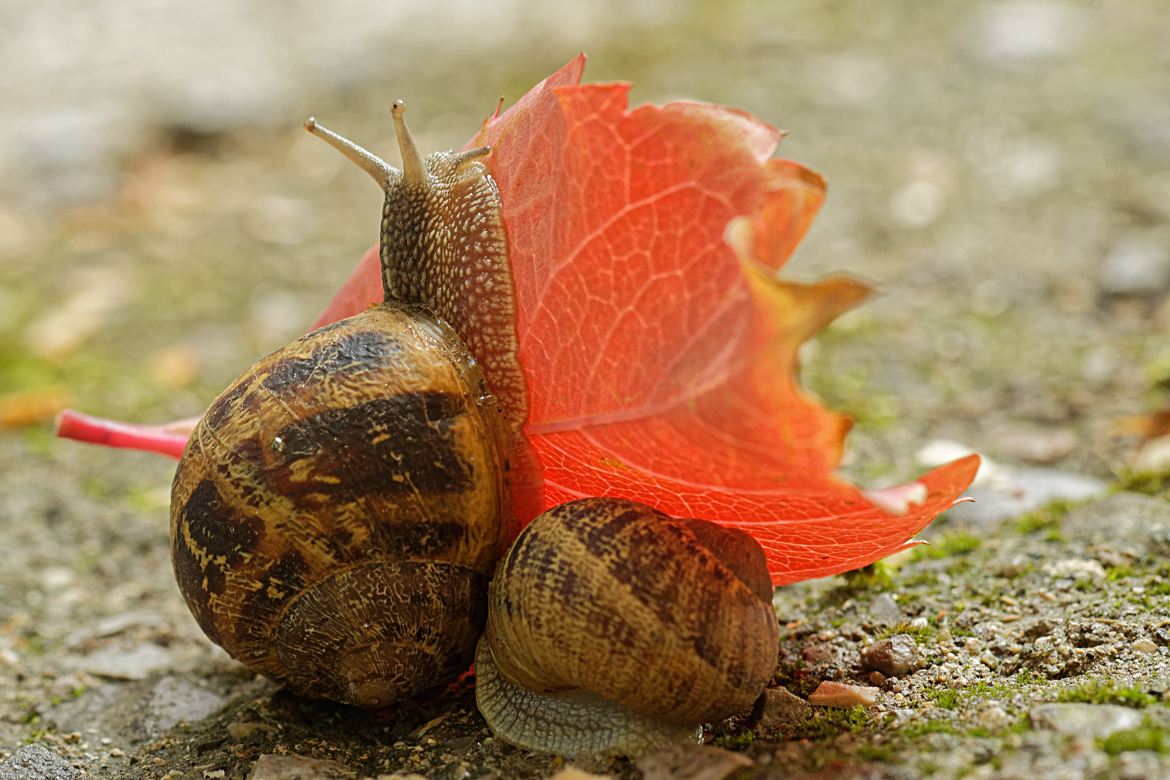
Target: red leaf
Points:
(659, 348)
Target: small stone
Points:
(877, 679)
(692, 762)
(992, 717)
(135, 663)
(1009, 492)
(1120, 518)
(1076, 569)
(1135, 266)
(1012, 31)
(1145, 646)
(1096, 721)
(843, 695)
(247, 729)
(894, 657)
(815, 654)
(782, 709)
(295, 767)
(883, 610)
(36, 762)
(1033, 443)
(173, 700)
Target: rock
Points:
(992, 716)
(692, 762)
(36, 762)
(843, 695)
(1145, 646)
(895, 656)
(1018, 31)
(1096, 721)
(783, 709)
(1012, 491)
(294, 767)
(883, 610)
(173, 700)
(1076, 569)
(1135, 266)
(568, 773)
(1033, 443)
(1121, 517)
(119, 664)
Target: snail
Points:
(338, 512)
(613, 628)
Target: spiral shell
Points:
(664, 624)
(338, 510)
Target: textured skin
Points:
(339, 508)
(570, 723)
(443, 246)
(614, 598)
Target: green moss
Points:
(1148, 736)
(950, 545)
(945, 698)
(938, 726)
(876, 576)
(829, 722)
(1115, 573)
(1046, 519)
(920, 633)
(1107, 692)
(884, 753)
(1151, 483)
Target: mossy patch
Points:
(951, 545)
(1107, 692)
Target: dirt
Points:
(998, 170)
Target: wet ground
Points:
(1000, 171)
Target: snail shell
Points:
(338, 510)
(613, 628)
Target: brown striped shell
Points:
(615, 628)
(339, 508)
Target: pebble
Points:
(1011, 492)
(782, 709)
(1075, 569)
(883, 610)
(1033, 443)
(296, 767)
(1001, 492)
(843, 695)
(1018, 31)
(696, 762)
(1145, 646)
(1097, 721)
(36, 762)
(992, 716)
(173, 700)
(1135, 266)
(135, 663)
(1119, 518)
(895, 656)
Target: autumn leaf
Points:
(659, 347)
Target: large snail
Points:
(339, 510)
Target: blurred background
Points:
(999, 170)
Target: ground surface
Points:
(1001, 171)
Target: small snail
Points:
(339, 510)
(613, 628)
